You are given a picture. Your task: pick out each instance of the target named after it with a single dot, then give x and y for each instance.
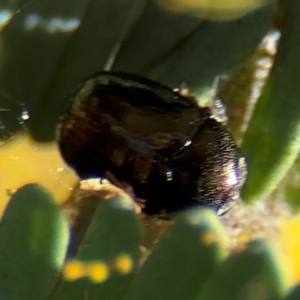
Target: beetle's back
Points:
(125, 124)
(138, 133)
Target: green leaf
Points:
(294, 294)
(59, 43)
(272, 141)
(176, 48)
(208, 50)
(183, 260)
(252, 274)
(289, 188)
(113, 234)
(33, 243)
(32, 48)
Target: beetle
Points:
(147, 138)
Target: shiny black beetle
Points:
(141, 135)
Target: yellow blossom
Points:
(24, 161)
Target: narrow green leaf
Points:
(183, 260)
(73, 40)
(272, 141)
(289, 188)
(252, 274)
(58, 43)
(33, 243)
(113, 236)
(212, 49)
(294, 294)
(103, 26)
(34, 39)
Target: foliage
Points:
(47, 252)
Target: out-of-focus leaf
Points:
(213, 10)
(252, 274)
(72, 41)
(52, 45)
(34, 40)
(33, 243)
(113, 235)
(235, 94)
(294, 293)
(183, 260)
(272, 141)
(202, 50)
(289, 188)
(292, 186)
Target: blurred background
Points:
(48, 47)
(244, 52)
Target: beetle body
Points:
(140, 134)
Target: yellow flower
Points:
(24, 161)
(289, 239)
